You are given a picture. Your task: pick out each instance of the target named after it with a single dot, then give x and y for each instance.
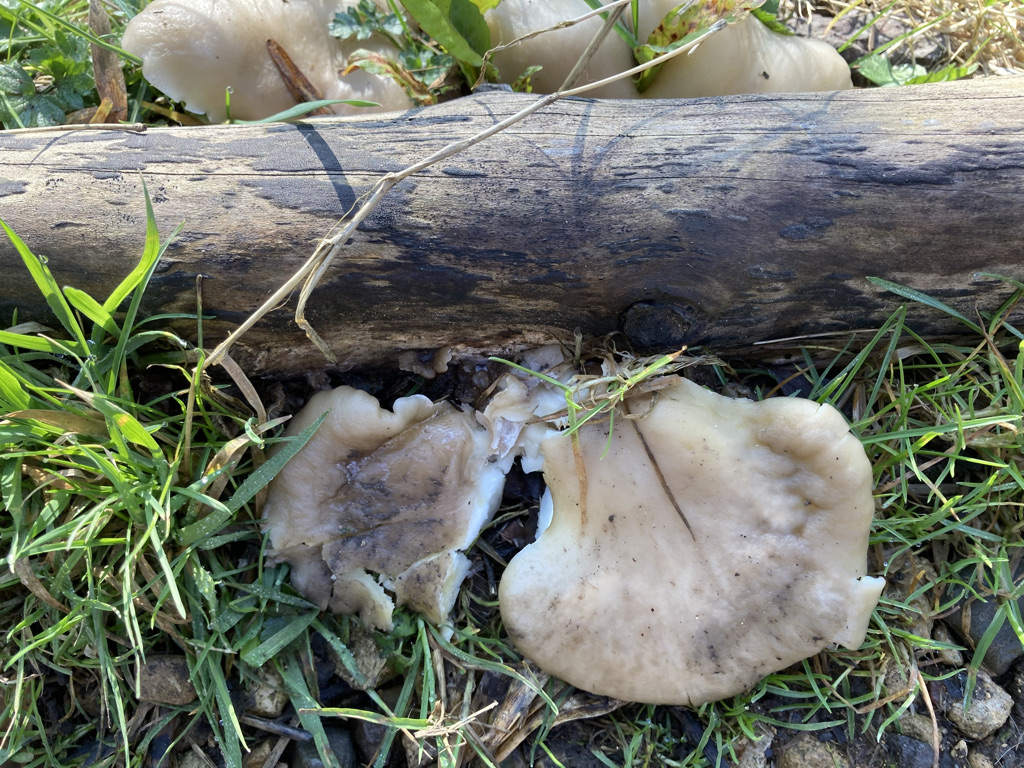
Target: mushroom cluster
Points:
(194, 50)
(745, 57)
(702, 544)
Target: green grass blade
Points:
(12, 391)
(92, 309)
(47, 285)
(305, 108)
(34, 343)
(926, 300)
(303, 701)
(150, 257)
(259, 479)
(280, 640)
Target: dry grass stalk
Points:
(987, 32)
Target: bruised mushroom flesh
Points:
(382, 503)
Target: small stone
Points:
(340, 741)
(165, 680)
(419, 754)
(258, 755)
(903, 583)
(979, 760)
(959, 750)
(753, 753)
(369, 737)
(805, 751)
(972, 620)
(910, 753)
(948, 656)
(917, 727)
(191, 760)
(370, 662)
(989, 708)
(267, 698)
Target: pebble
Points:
(267, 698)
(259, 754)
(191, 760)
(805, 751)
(989, 709)
(917, 727)
(340, 740)
(905, 577)
(753, 753)
(370, 661)
(971, 621)
(165, 680)
(910, 753)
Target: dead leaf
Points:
(107, 67)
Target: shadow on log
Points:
(724, 221)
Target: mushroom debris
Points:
(745, 57)
(194, 50)
(382, 503)
(717, 541)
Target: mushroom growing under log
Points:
(722, 220)
(708, 542)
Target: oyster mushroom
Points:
(745, 57)
(378, 506)
(556, 52)
(193, 50)
(718, 541)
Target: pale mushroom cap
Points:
(731, 61)
(557, 51)
(357, 425)
(397, 494)
(747, 57)
(630, 604)
(193, 50)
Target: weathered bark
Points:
(724, 220)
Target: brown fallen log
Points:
(723, 220)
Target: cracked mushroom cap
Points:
(193, 50)
(719, 540)
(378, 506)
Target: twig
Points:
(280, 729)
(133, 127)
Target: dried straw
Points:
(987, 32)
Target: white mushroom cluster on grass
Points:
(704, 544)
